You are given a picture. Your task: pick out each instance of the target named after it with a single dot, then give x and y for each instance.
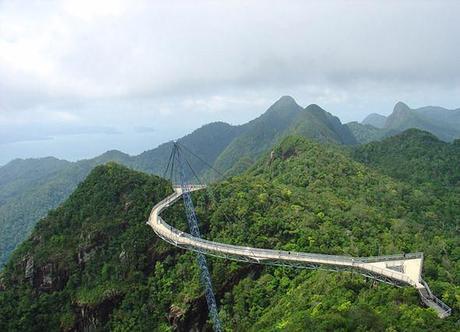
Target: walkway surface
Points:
(399, 270)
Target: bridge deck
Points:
(395, 269)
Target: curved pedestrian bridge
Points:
(399, 270)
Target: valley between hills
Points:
(295, 179)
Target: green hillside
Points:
(415, 156)
(365, 133)
(17, 174)
(94, 264)
(30, 188)
(283, 118)
(207, 142)
(422, 160)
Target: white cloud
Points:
(89, 9)
(123, 63)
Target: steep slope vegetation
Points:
(81, 259)
(441, 122)
(365, 133)
(283, 118)
(404, 118)
(15, 181)
(30, 188)
(207, 142)
(39, 186)
(312, 198)
(19, 173)
(421, 159)
(415, 156)
(93, 263)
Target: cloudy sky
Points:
(81, 77)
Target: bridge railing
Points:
(341, 258)
(190, 186)
(270, 256)
(255, 252)
(371, 259)
(394, 275)
(446, 309)
(258, 254)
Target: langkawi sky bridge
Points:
(398, 270)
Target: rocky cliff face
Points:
(43, 278)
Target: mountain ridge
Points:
(230, 149)
(29, 198)
(93, 264)
(284, 117)
(442, 122)
(375, 120)
(410, 151)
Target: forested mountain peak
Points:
(314, 108)
(229, 148)
(415, 156)
(20, 166)
(29, 188)
(442, 122)
(284, 101)
(73, 254)
(111, 155)
(365, 133)
(408, 136)
(285, 107)
(284, 117)
(17, 174)
(400, 115)
(210, 127)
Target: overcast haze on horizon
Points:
(78, 78)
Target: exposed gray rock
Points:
(84, 255)
(29, 269)
(2, 283)
(123, 256)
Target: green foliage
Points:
(366, 133)
(415, 156)
(283, 118)
(98, 246)
(30, 188)
(94, 264)
(313, 198)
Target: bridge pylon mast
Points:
(192, 220)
